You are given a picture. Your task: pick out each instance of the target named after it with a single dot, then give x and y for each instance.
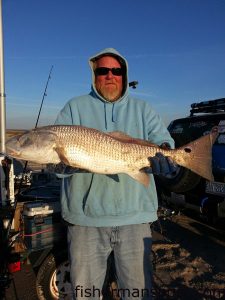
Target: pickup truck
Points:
(187, 190)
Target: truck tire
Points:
(53, 278)
(184, 180)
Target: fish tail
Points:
(197, 155)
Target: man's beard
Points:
(110, 94)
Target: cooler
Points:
(43, 225)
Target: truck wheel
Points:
(53, 278)
(183, 181)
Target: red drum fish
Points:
(106, 152)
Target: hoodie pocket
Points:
(115, 195)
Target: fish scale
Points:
(101, 147)
(106, 152)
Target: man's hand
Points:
(162, 165)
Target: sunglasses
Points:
(104, 71)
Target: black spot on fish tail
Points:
(197, 155)
(187, 150)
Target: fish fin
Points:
(119, 135)
(198, 155)
(62, 155)
(125, 138)
(141, 177)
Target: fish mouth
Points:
(13, 152)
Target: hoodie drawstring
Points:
(114, 116)
(106, 126)
(114, 113)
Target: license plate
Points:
(216, 188)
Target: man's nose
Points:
(110, 74)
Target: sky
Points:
(175, 50)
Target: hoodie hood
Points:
(111, 52)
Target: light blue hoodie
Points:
(101, 200)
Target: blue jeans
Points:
(89, 248)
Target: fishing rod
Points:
(36, 124)
(44, 95)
